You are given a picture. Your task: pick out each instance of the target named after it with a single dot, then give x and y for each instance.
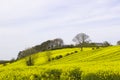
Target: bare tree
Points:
(81, 39)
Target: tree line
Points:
(81, 40)
(47, 45)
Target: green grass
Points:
(98, 64)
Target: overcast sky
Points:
(25, 23)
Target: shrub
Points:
(72, 53)
(53, 58)
(93, 48)
(75, 74)
(67, 54)
(76, 51)
(30, 62)
(91, 76)
(35, 77)
(102, 75)
(4, 64)
(48, 56)
(49, 59)
(97, 47)
(58, 57)
(51, 74)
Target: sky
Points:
(26, 23)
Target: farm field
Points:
(97, 64)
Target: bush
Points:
(48, 56)
(53, 58)
(97, 47)
(58, 57)
(102, 75)
(93, 48)
(76, 51)
(67, 54)
(35, 77)
(51, 74)
(30, 62)
(4, 64)
(91, 76)
(75, 74)
(49, 59)
(72, 52)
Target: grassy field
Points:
(98, 64)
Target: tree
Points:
(81, 39)
(26, 52)
(44, 46)
(30, 61)
(58, 42)
(12, 60)
(48, 56)
(106, 43)
(118, 42)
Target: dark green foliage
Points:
(106, 44)
(4, 61)
(30, 62)
(50, 45)
(53, 58)
(47, 45)
(44, 46)
(58, 74)
(118, 42)
(76, 52)
(58, 57)
(35, 77)
(97, 47)
(93, 48)
(108, 75)
(51, 74)
(48, 55)
(72, 52)
(75, 74)
(102, 75)
(67, 54)
(91, 45)
(49, 59)
(26, 52)
(91, 76)
(12, 60)
(4, 64)
(68, 46)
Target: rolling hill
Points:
(88, 61)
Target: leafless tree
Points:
(81, 39)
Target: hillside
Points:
(89, 61)
(108, 54)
